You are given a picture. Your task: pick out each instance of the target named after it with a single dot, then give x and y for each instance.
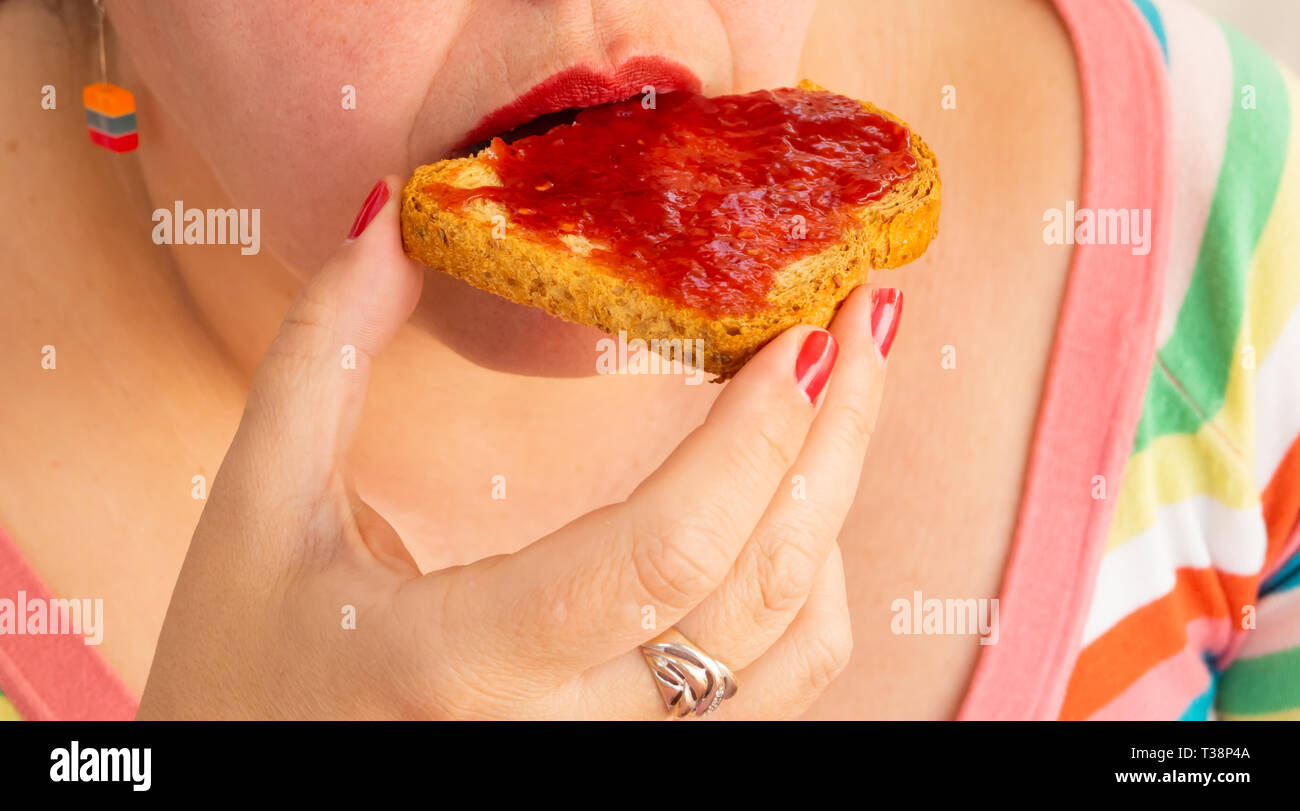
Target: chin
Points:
(498, 334)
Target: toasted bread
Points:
(893, 230)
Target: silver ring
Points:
(690, 681)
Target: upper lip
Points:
(583, 86)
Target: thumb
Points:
(309, 390)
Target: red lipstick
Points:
(582, 86)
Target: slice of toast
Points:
(892, 230)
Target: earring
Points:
(110, 110)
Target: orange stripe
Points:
(1280, 502)
(1157, 631)
(108, 99)
(1150, 635)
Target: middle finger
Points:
(764, 590)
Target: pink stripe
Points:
(1105, 346)
(1165, 690)
(1276, 628)
(1258, 641)
(54, 677)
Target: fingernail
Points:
(886, 312)
(378, 196)
(816, 360)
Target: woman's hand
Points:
(732, 539)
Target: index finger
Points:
(309, 390)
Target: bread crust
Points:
(894, 230)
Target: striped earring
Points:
(110, 110)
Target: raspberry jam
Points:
(700, 200)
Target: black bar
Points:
(425, 762)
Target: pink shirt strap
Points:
(47, 676)
(1105, 348)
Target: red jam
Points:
(702, 200)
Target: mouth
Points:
(559, 98)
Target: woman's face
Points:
(298, 106)
(260, 87)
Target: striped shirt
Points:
(1174, 595)
(1195, 611)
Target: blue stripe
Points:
(110, 124)
(1284, 579)
(1199, 709)
(1157, 27)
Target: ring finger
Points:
(780, 684)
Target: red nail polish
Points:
(886, 312)
(816, 359)
(378, 196)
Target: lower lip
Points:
(582, 86)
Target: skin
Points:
(158, 347)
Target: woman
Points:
(1068, 427)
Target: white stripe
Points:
(1200, 82)
(1277, 401)
(1198, 532)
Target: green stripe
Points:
(1199, 354)
(1268, 683)
(1164, 411)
